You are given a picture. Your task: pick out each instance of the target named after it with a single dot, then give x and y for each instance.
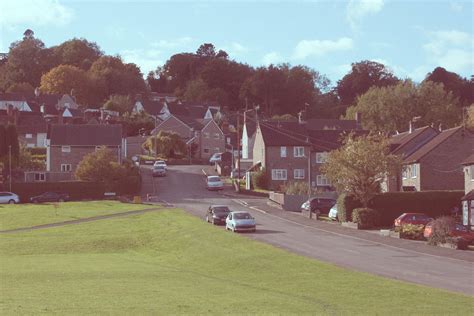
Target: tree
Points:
(389, 109)
(9, 138)
(452, 82)
(67, 79)
(77, 52)
(470, 116)
(119, 103)
(361, 165)
(136, 123)
(363, 75)
(206, 50)
(166, 144)
(23, 88)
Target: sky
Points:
(409, 37)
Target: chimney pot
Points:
(410, 127)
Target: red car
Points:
(412, 218)
(457, 231)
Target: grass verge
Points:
(26, 215)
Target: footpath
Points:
(262, 205)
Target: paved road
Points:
(184, 187)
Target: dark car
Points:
(216, 214)
(50, 197)
(318, 205)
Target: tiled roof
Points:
(469, 160)
(152, 107)
(12, 97)
(196, 123)
(277, 135)
(398, 141)
(31, 123)
(327, 140)
(331, 124)
(85, 135)
(432, 144)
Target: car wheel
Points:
(11, 202)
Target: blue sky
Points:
(410, 37)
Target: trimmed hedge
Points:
(37, 150)
(77, 190)
(392, 204)
(366, 217)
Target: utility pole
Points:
(10, 163)
(238, 151)
(309, 180)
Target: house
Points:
(14, 101)
(437, 165)
(31, 126)
(204, 133)
(295, 150)
(67, 145)
(405, 144)
(468, 199)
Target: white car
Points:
(9, 198)
(217, 157)
(214, 183)
(333, 212)
(160, 163)
(240, 221)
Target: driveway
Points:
(184, 187)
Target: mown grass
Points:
(169, 262)
(26, 215)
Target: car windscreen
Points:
(242, 216)
(159, 168)
(214, 179)
(221, 211)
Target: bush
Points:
(77, 190)
(345, 205)
(260, 179)
(393, 204)
(410, 231)
(441, 228)
(37, 151)
(366, 217)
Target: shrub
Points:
(441, 228)
(77, 190)
(296, 188)
(37, 151)
(345, 205)
(260, 179)
(410, 231)
(366, 217)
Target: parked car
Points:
(412, 218)
(214, 183)
(240, 221)
(217, 157)
(216, 214)
(333, 212)
(9, 198)
(318, 205)
(160, 163)
(457, 231)
(50, 197)
(159, 171)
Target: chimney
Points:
(410, 127)
(358, 119)
(37, 92)
(301, 115)
(42, 109)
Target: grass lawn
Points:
(169, 262)
(26, 215)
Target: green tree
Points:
(470, 116)
(136, 123)
(206, 50)
(23, 88)
(363, 75)
(452, 82)
(119, 103)
(166, 144)
(77, 52)
(361, 165)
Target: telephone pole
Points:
(238, 151)
(10, 163)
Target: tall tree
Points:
(460, 87)
(363, 75)
(77, 52)
(119, 103)
(206, 50)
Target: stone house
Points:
(437, 165)
(67, 145)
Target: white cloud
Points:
(146, 59)
(358, 9)
(307, 48)
(272, 58)
(170, 44)
(452, 50)
(34, 12)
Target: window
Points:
(206, 135)
(206, 150)
(279, 174)
(40, 177)
(298, 174)
(217, 136)
(321, 180)
(321, 157)
(66, 167)
(298, 151)
(66, 149)
(413, 171)
(282, 152)
(28, 135)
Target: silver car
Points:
(214, 183)
(240, 222)
(9, 198)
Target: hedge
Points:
(77, 190)
(366, 217)
(37, 150)
(392, 204)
